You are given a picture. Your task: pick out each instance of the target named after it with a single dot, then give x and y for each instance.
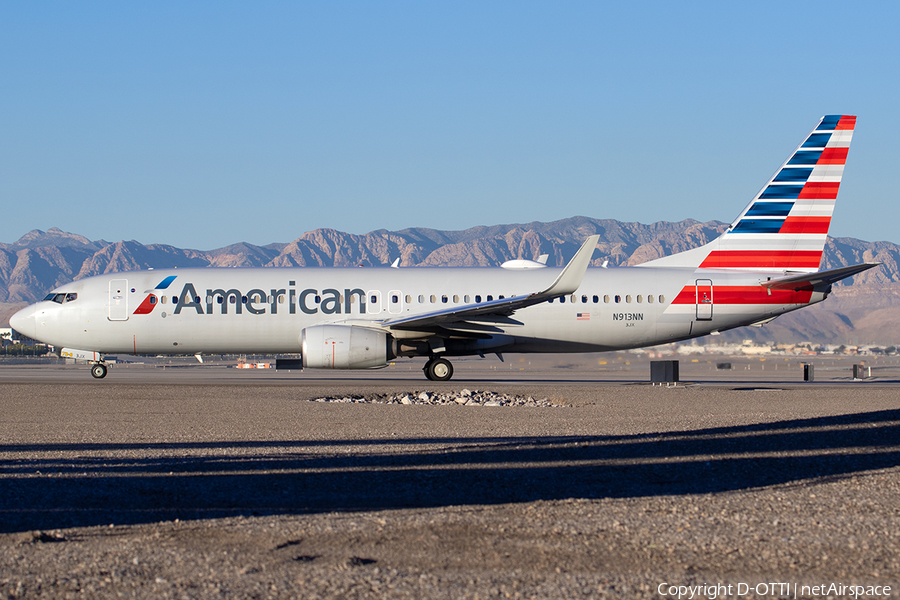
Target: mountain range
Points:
(863, 309)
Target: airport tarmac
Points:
(175, 480)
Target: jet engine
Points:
(345, 347)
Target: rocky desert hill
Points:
(862, 308)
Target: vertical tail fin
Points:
(785, 226)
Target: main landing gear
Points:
(98, 370)
(438, 369)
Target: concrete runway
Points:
(746, 474)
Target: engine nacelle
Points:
(345, 347)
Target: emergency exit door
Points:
(704, 295)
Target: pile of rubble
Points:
(462, 397)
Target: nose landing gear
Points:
(438, 369)
(98, 367)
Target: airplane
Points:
(763, 265)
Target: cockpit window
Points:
(60, 298)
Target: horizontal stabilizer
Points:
(816, 281)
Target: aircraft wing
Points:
(568, 281)
(816, 281)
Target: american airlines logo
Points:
(149, 303)
(257, 301)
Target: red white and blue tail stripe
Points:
(785, 226)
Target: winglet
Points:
(570, 278)
(567, 282)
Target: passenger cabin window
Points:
(490, 298)
(606, 299)
(466, 299)
(618, 299)
(628, 298)
(421, 299)
(477, 298)
(650, 299)
(444, 298)
(596, 299)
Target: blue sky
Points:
(201, 124)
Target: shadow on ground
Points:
(49, 486)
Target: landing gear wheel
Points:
(439, 369)
(98, 371)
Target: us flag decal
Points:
(583, 316)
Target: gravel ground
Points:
(165, 488)
(464, 396)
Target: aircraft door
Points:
(704, 298)
(395, 302)
(373, 304)
(118, 300)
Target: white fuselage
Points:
(265, 310)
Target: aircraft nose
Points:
(24, 321)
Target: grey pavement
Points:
(203, 481)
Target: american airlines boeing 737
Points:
(765, 264)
